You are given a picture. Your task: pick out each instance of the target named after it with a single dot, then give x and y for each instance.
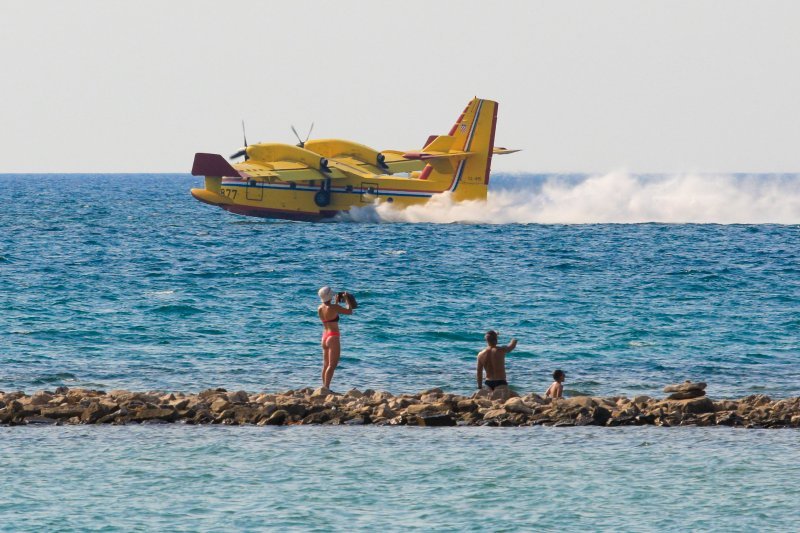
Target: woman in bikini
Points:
(329, 312)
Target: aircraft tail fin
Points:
(212, 165)
(463, 157)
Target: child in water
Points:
(556, 390)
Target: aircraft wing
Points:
(395, 161)
(441, 161)
(287, 171)
(349, 169)
(427, 156)
(308, 174)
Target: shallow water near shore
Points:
(185, 478)
(127, 282)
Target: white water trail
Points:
(616, 197)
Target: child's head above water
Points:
(559, 376)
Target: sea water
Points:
(125, 281)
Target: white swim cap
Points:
(325, 294)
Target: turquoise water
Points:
(127, 282)
(184, 478)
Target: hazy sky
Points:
(139, 86)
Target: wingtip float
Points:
(322, 177)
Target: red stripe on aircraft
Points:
(491, 145)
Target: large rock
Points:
(419, 408)
(686, 395)
(399, 403)
(726, 405)
(43, 420)
(96, 411)
(238, 397)
(383, 411)
(62, 411)
(265, 411)
(320, 417)
(686, 386)
(277, 418)
(494, 413)
(601, 415)
(502, 393)
(180, 403)
(124, 397)
(466, 406)
(220, 404)
(416, 408)
(208, 393)
(516, 405)
(436, 420)
(755, 400)
(381, 396)
(535, 398)
(322, 391)
(41, 398)
(148, 413)
(693, 405)
(6, 415)
(295, 409)
(577, 402)
(482, 393)
(244, 414)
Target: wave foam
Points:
(616, 197)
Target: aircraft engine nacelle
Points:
(270, 152)
(332, 148)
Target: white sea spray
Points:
(614, 197)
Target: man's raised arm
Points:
(511, 345)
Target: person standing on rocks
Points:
(329, 312)
(492, 360)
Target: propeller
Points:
(242, 151)
(301, 143)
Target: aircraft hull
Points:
(283, 201)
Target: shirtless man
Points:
(493, 360)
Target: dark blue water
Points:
(126, 281)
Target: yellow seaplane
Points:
(316, 179)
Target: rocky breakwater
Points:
(686, 405)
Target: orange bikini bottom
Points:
(328, 334)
